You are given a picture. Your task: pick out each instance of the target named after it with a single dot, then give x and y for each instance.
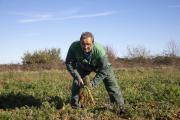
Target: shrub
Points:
(47, 56)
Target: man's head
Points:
(87, 41)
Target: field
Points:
(45, 95)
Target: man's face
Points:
(87, 44)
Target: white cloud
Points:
(87, 15)
(53, 17)
(36, 18)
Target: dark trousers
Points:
(110, 83)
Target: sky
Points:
(30, 25)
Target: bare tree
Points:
(138, 52)
(172, 48)
(111, 53)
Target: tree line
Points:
(136, 56)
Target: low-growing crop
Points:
(45, 95)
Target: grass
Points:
(45, 95)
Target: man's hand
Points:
(80, 82)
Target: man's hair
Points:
(85, 35)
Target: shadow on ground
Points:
(12, 101)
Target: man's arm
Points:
(70, 63)
(101, 73)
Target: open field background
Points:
(149, 94)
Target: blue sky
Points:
(29, 25)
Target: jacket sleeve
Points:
(102, 71)
(70, 63)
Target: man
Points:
(85, 56)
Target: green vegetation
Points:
(47, 56)
(148, 93)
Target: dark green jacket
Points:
(98, 61)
